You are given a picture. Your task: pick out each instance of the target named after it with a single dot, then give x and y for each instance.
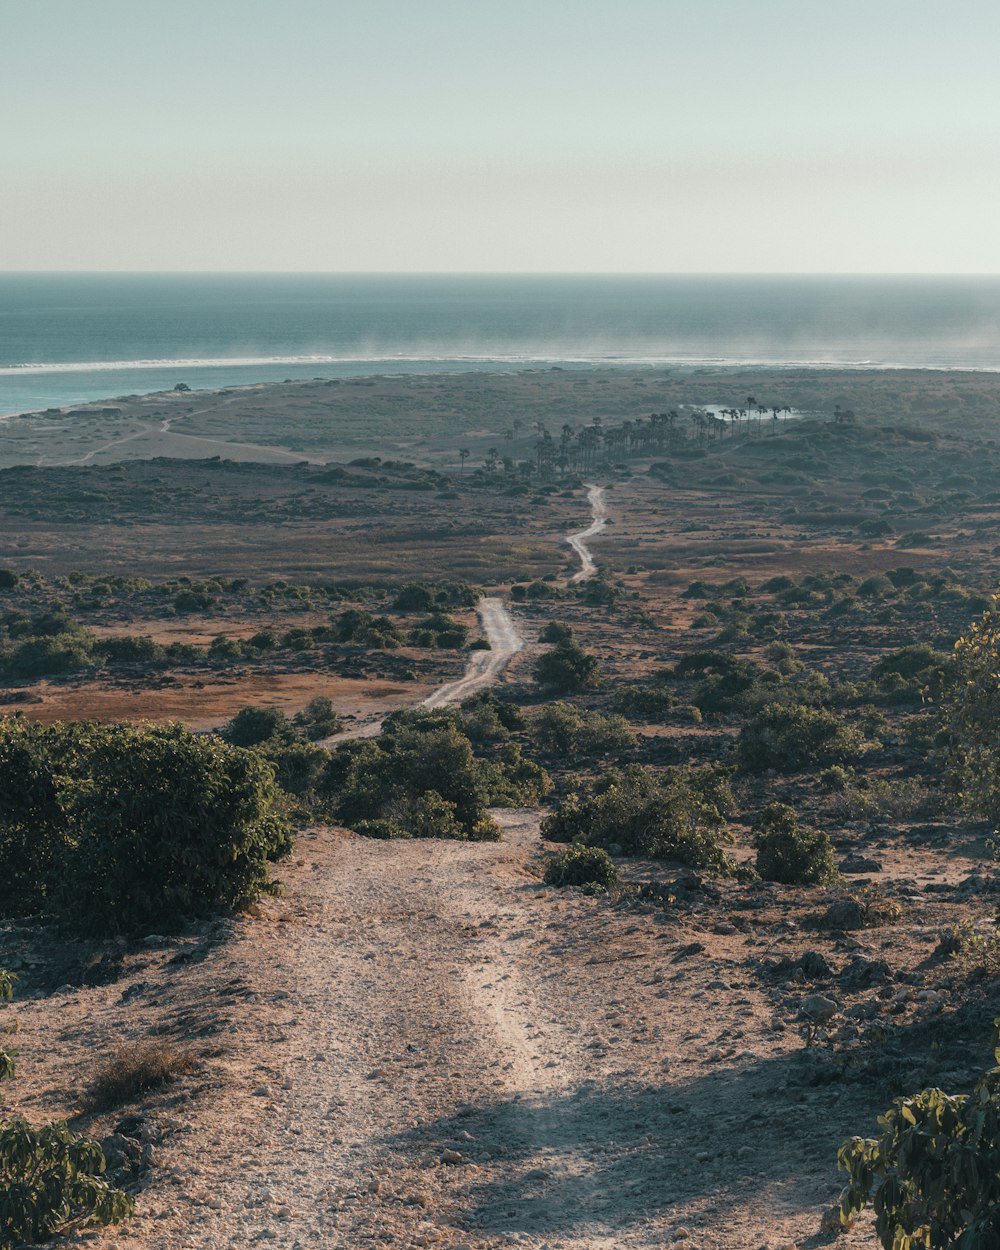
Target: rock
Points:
(450, 1156)
(725, 929)
(847, 914)
(863, 971)
(818, 1008)
(859, 863)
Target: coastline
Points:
(426, 416)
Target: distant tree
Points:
(463, 455)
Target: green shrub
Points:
(253, 725)
(792, 736)
(564, 729)
(50, 1181)
(649, 703)
(970, 718)
(318, 719)
(118, 828)
(566, 669)
(677, 814)
(789, 853)
(365, 630)
(582, 866)
(556, 632)
(931, 1177)
(420, 758)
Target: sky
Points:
(715, 136)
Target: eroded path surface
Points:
(595, 497)
(430, 1048)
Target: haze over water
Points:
(68, 338)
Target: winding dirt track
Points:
(595, 496)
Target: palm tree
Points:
(463, 455)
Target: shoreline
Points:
(360, 367)
(427, 417)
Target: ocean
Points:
(71, 338)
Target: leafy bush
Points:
(971, 718)
(676, 814)
(789, 853)
(581, 865)
(398, 782)
(648, 703)
(118, 828)
(365, 630)
(50, 1182)
(555, 631)
(789, 737)
(254, 725)
(8, 1059)
(318, 719)
(564, 729)
(931, 1176)
(566, 669)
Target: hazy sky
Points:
(533, 135)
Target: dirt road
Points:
(595, 496)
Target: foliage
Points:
(648, 703)
(912, 673)
(789, 737)
(675, 814)
(50, 1182)
(438, 630)
(566, 669)
(931, 1175)
(971, 715)
(114, 827)
(789, 853)
(365, 630)
(564, 729)
(254, 725)
(7, 1057)
(318, 719)
(555, 631)
(396, 785)
(581, 865)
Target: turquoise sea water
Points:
(66, 338)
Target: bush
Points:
(792, 736)
(253, 725)
(132, 1070)
(648, 703)
(396, 784)
(555, 631)
(789, 853)
(318, 719)
(931, 1176)
(581, 865)
(677, 814)
(563, 729)
(971, 716)
(118, 828)
(50, 1181)
(566, 669)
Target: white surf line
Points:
(595, 496)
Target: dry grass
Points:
(133, 1069)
